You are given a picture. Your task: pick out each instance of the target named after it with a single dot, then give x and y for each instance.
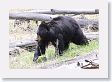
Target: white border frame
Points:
(102, 72)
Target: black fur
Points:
(60, 32)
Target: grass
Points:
(24, 60)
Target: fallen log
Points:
(31, 16)
(44, 17)
(85, 22)
(16, 48)
(56, 11)
(24, 43)
(60, 11)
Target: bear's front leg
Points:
(59, 45)
(36, 54)
(39, 50)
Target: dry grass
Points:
(22, 32)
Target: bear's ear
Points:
(43, 22)
(52, 23)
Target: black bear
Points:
(60, 31)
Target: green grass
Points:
(24, 60)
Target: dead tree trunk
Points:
(24, 43)
(31, 16)
(56, 11)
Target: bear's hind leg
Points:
(60, 44)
